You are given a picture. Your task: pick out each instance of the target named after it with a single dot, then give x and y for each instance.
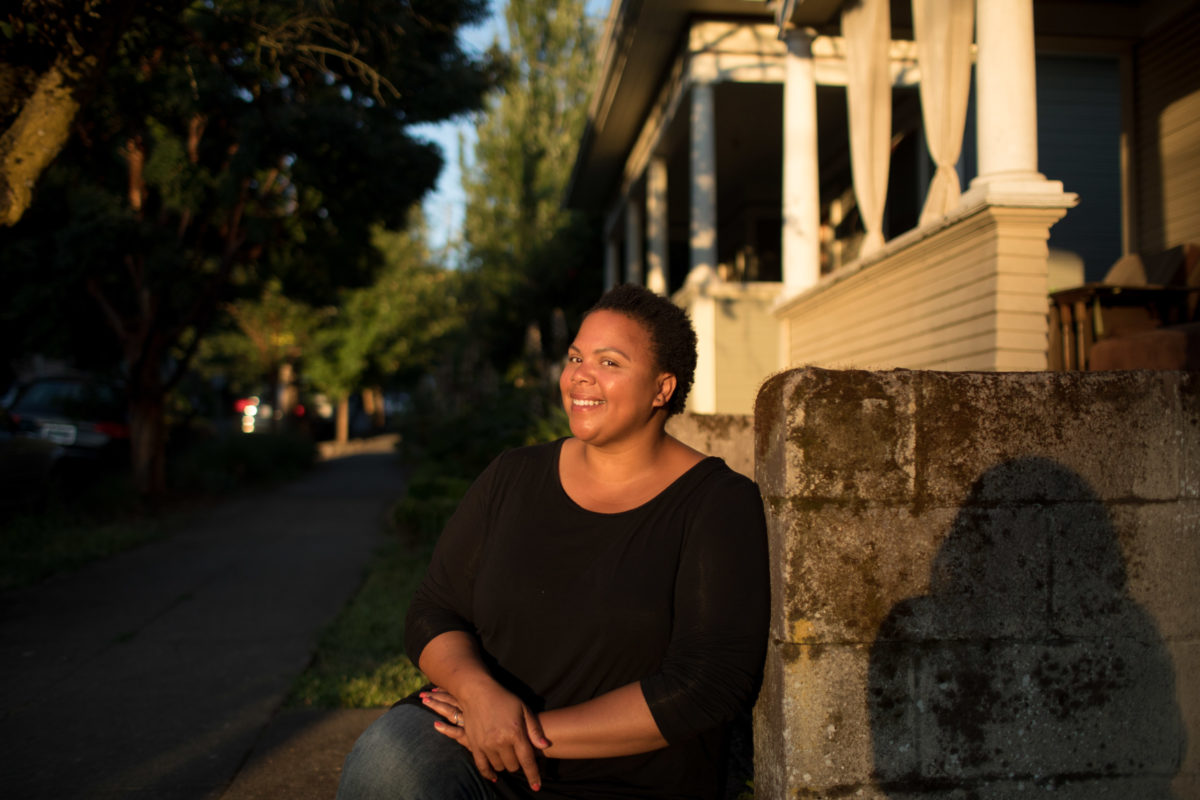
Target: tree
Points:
(226, 144)
(263, 345)
(53, 55)
(390, 331)
(528, 253)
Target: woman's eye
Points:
(574, 360)
(608, 362)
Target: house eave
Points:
(641, 41)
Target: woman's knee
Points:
(402, 757)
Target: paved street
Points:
(155, 674)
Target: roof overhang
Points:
(805, 13)
(641, 41)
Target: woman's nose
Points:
(581, 374)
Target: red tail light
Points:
(115, 430)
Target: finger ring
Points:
(457, 718)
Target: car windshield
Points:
(69, 398)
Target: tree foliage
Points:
(529, 254)
(227, 144)
(392, 330)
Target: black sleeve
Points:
(713, 665)
(444, 598)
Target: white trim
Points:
(703, 397)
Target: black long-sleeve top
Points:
(568, 604)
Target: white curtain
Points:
(944, 29)
(867, 28)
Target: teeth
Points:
(587, 402)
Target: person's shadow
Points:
(1027, 667)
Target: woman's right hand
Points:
(501, 732)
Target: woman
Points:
(595, 613)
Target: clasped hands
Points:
(499, 730)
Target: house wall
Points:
(984, 585)
(968, 294)
(738, 342)
(1167, 136)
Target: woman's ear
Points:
(666, 388)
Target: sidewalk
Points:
(160, 673)
(299, 755)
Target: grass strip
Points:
(33, 547)
(360, 661)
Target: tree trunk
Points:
(343, 420)
(147, 395)
(288, 395)
(148, 443)
(373, 405)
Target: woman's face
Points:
(611, 386)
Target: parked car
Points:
(27, 466)
(87, 418)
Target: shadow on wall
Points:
(1027, 668)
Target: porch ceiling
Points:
(641, 41)
(643, 37)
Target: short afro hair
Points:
(672, 338)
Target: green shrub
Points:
(82, 518)
(448, 451)
(429, 502)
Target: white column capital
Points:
(799, 40)
(703, 68)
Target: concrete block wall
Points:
(985, 585)
(727, 436)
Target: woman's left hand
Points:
(444, 703)
(447, 704)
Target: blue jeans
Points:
(402, 757)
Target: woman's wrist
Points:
(475, 686)
(452, 662)
(617, 723)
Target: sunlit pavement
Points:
(155, 674)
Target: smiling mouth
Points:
(586, 403)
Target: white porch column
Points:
(801, 184)
(704, 179)
(1006, 104)
(612, 260)
(1006, 88)
(657, 237)
(634, 268)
